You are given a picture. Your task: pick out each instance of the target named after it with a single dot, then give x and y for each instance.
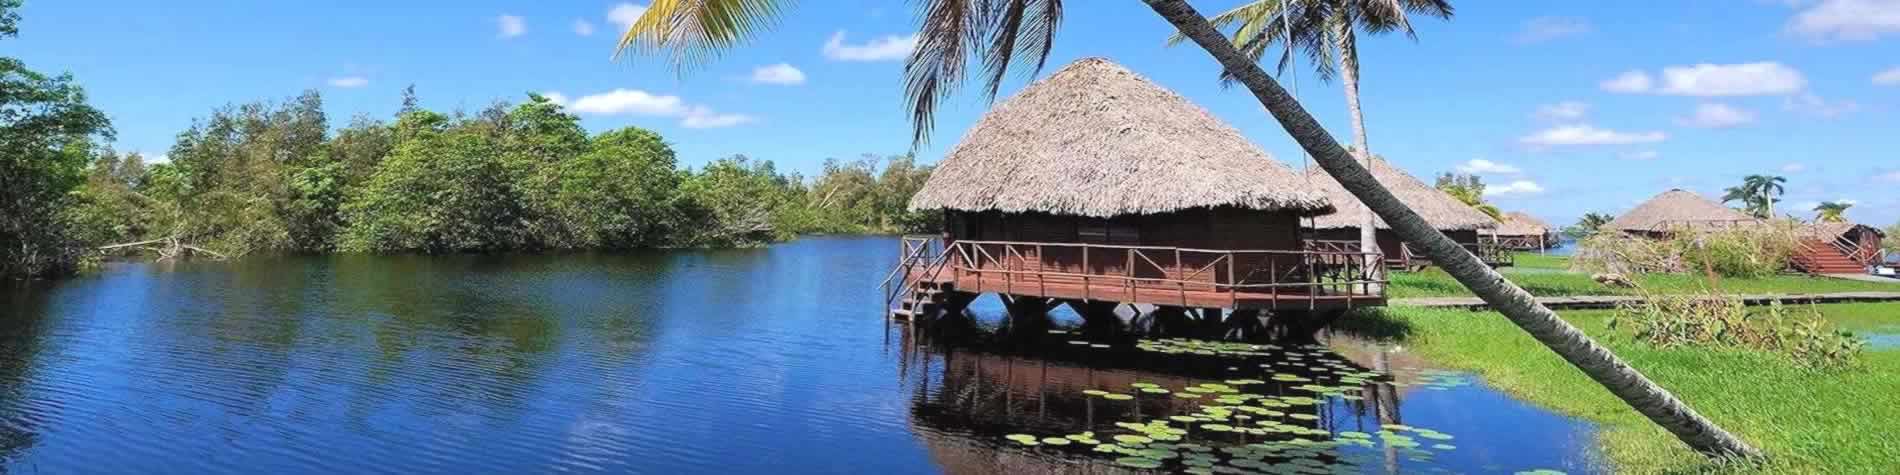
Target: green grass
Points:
(1546, 276)
(1807, 421)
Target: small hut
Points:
(1678, 210)
(1097, 186)
(1838, 248)
(1519, 231)
(1455, 218)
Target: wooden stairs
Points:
(921, 300)
(1821, 257)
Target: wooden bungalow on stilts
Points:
(1340, 230)
(1097, 188)
(1519, 231)
(1675, 211)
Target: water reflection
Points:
(1000, 401)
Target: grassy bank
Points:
(1547, 276)
(1808, 421)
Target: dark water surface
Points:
(751, 361)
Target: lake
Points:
(773, 360)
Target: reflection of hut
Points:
(1098, 185)
(1455, 218)
(1678, 210)
(1519, 231)
(1838, 248)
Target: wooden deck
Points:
(1165, 276)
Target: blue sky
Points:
(1565, 107)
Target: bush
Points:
(1714, 319)
(1744, 251)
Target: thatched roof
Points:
(1675, 208)
(1441, 210)
(1833, 230)
(1519, 223)
(1095, 139)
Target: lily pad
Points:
(1138, 462)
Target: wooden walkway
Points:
(1611, 301)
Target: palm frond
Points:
(693, 32)
(1006, 34)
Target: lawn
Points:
(1547, 276)
(1808, 421)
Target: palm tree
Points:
(1006, 33)
(1328, 32)
(1764, 188)
(1473, 197)
(1832, 211)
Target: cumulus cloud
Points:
(1890, 77)
(1566, 110)
(1547, 28)
(349, 82)
(1518, 187)
(583, 28)
(1632, 81)
(781, 73)
(1847, 20)
(641, 103)
(1712, 80)
(1713, 115)
(1796, 167)
(1642, 155)
(626, 14)
(888, 48)
(1584, 134)
(511, 26)
(1482, 166)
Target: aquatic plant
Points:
(1709, 318)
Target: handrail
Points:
(1311, 265)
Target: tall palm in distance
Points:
(1018, 33)
(1766, 188)
(1328, 32)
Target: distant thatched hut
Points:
(1520, 231)
(1455, 218)
(1838, 248)
(1096, 184)
(1678, 210)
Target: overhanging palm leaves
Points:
(1832, 211)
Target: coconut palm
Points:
(1473, 197)
(1832, 211)
(1328, 32)
(1005, 34)
(1759, 193)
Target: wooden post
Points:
(1086, 295)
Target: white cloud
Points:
(780, 73)
(642, 103)
(1482, 166)
(1745, 79)
(1714, 115)
(1632, 81)
(1566, 110)
(701, 117)
(1796, 167)
(349, 81)
(511, 26)
(1847, 20)
(1813, 105)
(1519, 187)
(626, 14)
(1589, 135)
(1890, 77)
(1550, 27)
(890, 47)
(1642, 156)
(583, 28)
(1712, 80)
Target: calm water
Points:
(752, 361)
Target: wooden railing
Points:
(916, 253)
(1516, 242)
(1032, 267)
(1854, 251)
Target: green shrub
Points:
(1715, 319)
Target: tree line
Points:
(267, 177)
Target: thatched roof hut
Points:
(1677, 208)
(1097, 140)
(1519, 223)
(1440, 209)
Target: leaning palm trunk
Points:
(1517, 305)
